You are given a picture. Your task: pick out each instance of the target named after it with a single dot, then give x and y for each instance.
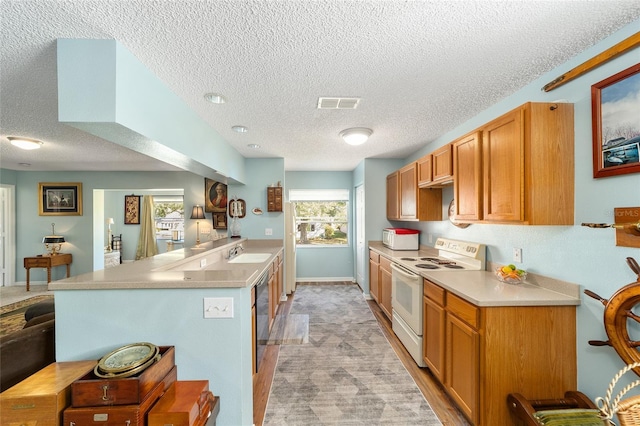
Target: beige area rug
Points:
(348, 373)
(12, 315)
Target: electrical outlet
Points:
(218, 307)
(517, 255)
(268, 231)
(203, 262)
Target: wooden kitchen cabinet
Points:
(442, 173)
(254, 333)
(393, 196)
(433, 338)
(490, 352)
(274, 199)
(425, 170)
(527, 168)
(374, 275)
(467, 185)
(385, 286)
(412, 203)
(280, 276)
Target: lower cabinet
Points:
(254, 332)
(385, 286)
(482, 354)
(374, 275)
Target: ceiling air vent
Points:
(338, 103)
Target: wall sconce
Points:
(53, 242)
(109, 223)
(356, 135)
(197, 213)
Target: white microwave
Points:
(401, 238)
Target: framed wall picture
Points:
(615, 102)
(60, 199)
(220, 220)
(132, 209)
(215, 196)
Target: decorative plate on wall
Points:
(452, 210)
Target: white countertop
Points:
(482, 288)
(167, 270)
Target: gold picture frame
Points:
(60, 199)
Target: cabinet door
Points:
(463, 358)
(408, 192)
(425, 170)
(433, 338)
(280, 277)
(443, 165)
(393, 195)
(385, 286)
(374, 276)
(467, 186)
(272, 303)
(253, 340)
(503, 168)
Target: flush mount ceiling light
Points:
(215, 98)
(356, 135)
(25, 143)
(253, 146)
(240, 129)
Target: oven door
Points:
(406, 296)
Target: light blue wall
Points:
(260, 172)
(324, 263)
(577, 254)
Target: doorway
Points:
(7, 235)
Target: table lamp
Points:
(197, 213)
(53, 242)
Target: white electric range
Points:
(407, 286)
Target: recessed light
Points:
(240, 129)
(25, 143)
(215, 98)
(253, 146)
(24, 164)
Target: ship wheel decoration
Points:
(618, 315)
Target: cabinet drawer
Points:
(463, 310)
(37, 263)
(374, 256)
(434, 292)
(385, 263)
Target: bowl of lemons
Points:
(510, 274)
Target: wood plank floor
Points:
(433, 392)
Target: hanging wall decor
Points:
(616, 124)
(132, 209)
(60, 199)
(215, 196)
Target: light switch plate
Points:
(218, 307)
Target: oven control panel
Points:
(463, 248)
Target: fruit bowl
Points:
(510, 274)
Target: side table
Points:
(48, 261)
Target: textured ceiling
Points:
(420, 68)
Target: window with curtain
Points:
(322, 216)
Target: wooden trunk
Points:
(186, 403)
(130, 415)
(93, 391)
(42, 397)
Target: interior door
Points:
(7, 235)
(361, 255)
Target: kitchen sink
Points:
(250, 258)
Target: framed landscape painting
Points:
(615, 107)
(60, 199)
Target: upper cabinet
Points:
(436, 169)
(527, 165)
(407, 202)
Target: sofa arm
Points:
(26, 351)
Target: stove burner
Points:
(453, 266)
(426, 266)
(438, 261)
(429, 259)
(408, 258)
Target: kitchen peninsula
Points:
(161, 300)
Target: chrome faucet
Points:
(233, 252)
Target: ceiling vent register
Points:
(338, 103)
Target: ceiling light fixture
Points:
(240, 129)
(356, 135)
(253, 146)
(215, 98)
(25, 143)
